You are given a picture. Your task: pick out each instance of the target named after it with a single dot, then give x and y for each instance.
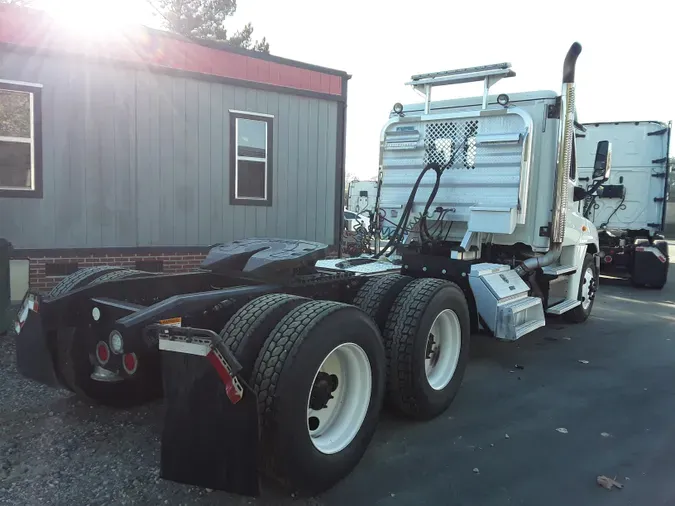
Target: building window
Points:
(20, 140)
(250, 159)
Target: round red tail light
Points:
(102, 353)
(130, 363)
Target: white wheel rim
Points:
(442, 349)
(332, 427)
(586, 288)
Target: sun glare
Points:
(93, 18)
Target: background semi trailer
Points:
(276, 361)
(629, 210)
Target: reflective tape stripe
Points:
(654, 251)
(199, 349)
(233, 388)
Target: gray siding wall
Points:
(133, 158)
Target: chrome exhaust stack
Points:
(564, 162)
(565, 139)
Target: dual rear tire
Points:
(318, 368)
(322, 370)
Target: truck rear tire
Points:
(120, 274)
(429, 326)
(81, 278)
(320, 380)
(377, 295)
(375, 298)
(588, 287)
(248, 329)
(75, 363)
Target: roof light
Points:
(503, 99)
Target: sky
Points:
(626, 70)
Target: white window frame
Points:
(266, 119)
(31, 89)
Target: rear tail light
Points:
(608, 259)
(130, 363)
(102, 353)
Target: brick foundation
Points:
(46, 271)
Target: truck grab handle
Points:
(571, 62)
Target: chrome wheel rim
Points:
(339, 398)
(588, 288)
(442, 349)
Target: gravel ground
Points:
(609, 382)
(58, 450)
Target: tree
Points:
(205, 19)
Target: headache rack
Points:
(489, 74)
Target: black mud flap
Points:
(207, 440)
(650, 266)
(34, 358)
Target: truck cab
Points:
(492, 179)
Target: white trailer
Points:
(630, 209)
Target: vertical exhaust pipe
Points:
(564, 162)
(565, 139)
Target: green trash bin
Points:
(5, 293)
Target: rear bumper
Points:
(34, 348)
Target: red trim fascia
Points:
(34, 29)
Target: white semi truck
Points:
(276, 360)
(361, 196)
(629, 210)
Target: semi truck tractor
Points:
(275, 361)
(629, 210)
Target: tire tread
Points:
(81, 278)
(401, 331)
(251, 319)
(122, 274)
(280, 347)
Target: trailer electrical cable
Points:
(617, 208)
(397, 236)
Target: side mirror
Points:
(603, 161)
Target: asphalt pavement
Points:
(535, 422)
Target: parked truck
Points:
(630, 209)
(276, 361)
(361, 196)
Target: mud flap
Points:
(207, 440)
(650, 266)
(34, 358)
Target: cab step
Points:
(563, 307)
(527, 327)
(559, 270)
(519, 317)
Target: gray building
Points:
(146, 149)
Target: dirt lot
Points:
(617, 410)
